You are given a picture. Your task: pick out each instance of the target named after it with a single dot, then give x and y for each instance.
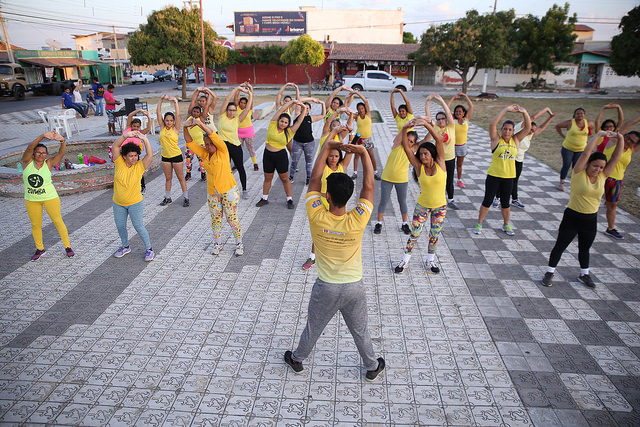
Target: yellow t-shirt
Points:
(462, 131)
(323, 189)
(196, 134)
(169, 143)
(621, 166)
(278, 139)
(364, 126)
(217, 165)
(324, 138)
(400, 122)
(448, 134)
(330, 111)
(397, 167)
(126, 183)
(338, 239)
(576, 138)
(228, 129)
(503, 160)
(432, 188)
(585, 196)
(247, 120)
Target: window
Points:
(378, 76)
(6, 70)
(19, 70)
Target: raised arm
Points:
(408, 149)
(117, 144)
(364, 101)
(279, 95)
(333, 94)
(27, 156)
(297, 91)
(541, 127)
(130, 117)
(628, 125)
(394, 112)
(282, 109)
(227, 100)
(176, 124)
(406, 101)
(368, 182)
(147, 129)
(212, 100)
(620, 121)
(466, 97)
(615, 157)
(246, 111)
(148, 156)
(494, 135)
(304, 110)
(445, 107)
(194, 98)
(327, 124)
(581, 164)
(526, 129)
(159, 111)
(60, 154)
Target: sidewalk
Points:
(196, 339)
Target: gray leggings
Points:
(298, 149)
(326, 299)
(385, 193)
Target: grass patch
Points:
(376, 117)
(546, 147)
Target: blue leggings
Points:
(298, 149)
(569, 159)
(135, 212)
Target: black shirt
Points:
(305, 131)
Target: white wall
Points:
(609, 78)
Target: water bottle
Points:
(85, 160)
(80, 158)
(356, 139)
(19, 167)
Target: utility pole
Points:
(486, 73)
(115, 43)
(6, 39)
(204, 57)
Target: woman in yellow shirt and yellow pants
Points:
(577, 130)
(581, 215)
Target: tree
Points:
(625, 47)
(472, 42)
(253, 55)
(304, 51)
(408, 38)
(172, 36)
(543, 42)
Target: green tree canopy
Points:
(172, 36)
(625, 47)
(408, 38)
(473, 42)
(253, 55)
(304, 51)
(543, 42)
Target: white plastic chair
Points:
(71, 113)
(49, 123)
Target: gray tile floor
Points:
(194, 339)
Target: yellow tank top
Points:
(247, 120)
(618, 172)
(400, 122)
(38, 185)
(461, 132)
(228, 129)
(324, 138)
(196, 134)
(169, 143)
(278, 139)
(503, 160)
(364, 126)
(397, 167)
(448, 134)
(432, 188)
(585, 196)
(323, 190)
(576, 138)
(330, 111)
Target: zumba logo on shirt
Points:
(507, 155)
(445, 137)
(35, 182)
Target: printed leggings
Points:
(52, 206)
(300, 148)
(420, 215)
(248, 144)
(188, 154)
(227, 204)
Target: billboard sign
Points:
(270, 23)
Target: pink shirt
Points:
(108, 96)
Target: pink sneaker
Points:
(461, 184)
(308, 263)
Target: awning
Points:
(58, 62)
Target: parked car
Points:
(377, 80)
(191, 77)
(162, 75)
(141, 77)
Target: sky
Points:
(33, 24)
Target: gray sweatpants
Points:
(326, 299)
(385, 195)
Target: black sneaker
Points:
(586, 280)
(289, 204)
(185, 203)
(377, 229)
(372, 375)
(165, 201)
(70, 252)
(432, 267)
(296, 366)
(203, 176)
(547, 279)
(255, 167)
(262, 202)
(187, 177)
(307, 181)
(614, 233)
(400, 267)
(406, 229)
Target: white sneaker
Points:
(217, 248)
(239, 249)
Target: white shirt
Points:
(77, 97)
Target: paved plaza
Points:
(196, 339)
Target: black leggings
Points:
(497, 187)
(514, 189)
(451, 166)
(585, 226)
(236, 156)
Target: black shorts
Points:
(176, 159)
(278, 160)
